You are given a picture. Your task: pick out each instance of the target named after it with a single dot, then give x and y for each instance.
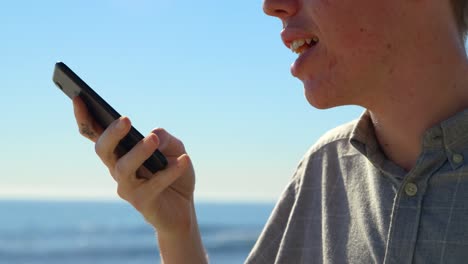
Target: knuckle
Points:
(119, 170)
(126, 194)
(98, 148)
(179, 143)
(138, 203)
(168, 141)
(121, 192)
(114, 127)
(160, 131)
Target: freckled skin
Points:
(355, 52)
(360, 47)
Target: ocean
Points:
(76, 232)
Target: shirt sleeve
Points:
(269, 243)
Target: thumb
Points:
(169, 145)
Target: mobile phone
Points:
(72, 85)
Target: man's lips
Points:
(290, 35)
(306, 56)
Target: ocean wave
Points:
(73, 230)
(101, 252)
(53, 233)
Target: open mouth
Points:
(299, 46)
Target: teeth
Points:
(297, 45)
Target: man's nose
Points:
(281, 9)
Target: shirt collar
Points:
(450, 136)
(364, 140)
(455, 130)
(452, 133)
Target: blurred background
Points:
(213, 73)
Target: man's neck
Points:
(429, 84)
(400, 123)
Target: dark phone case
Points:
(104, 114)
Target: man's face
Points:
(357, 40)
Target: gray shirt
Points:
(347, 203)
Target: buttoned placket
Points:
(407, 207)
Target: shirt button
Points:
(411, 189)
(457, 158)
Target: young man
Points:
(391, 187)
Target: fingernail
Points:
(154, 138)
(120, 124)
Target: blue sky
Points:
(213, 73)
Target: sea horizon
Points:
(29, 194)
(111, 231)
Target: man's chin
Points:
(323, 97)
(317, 101)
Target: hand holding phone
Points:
(165, 201)
(72, 85)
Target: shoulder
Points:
(334, 138)
(326, 150)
